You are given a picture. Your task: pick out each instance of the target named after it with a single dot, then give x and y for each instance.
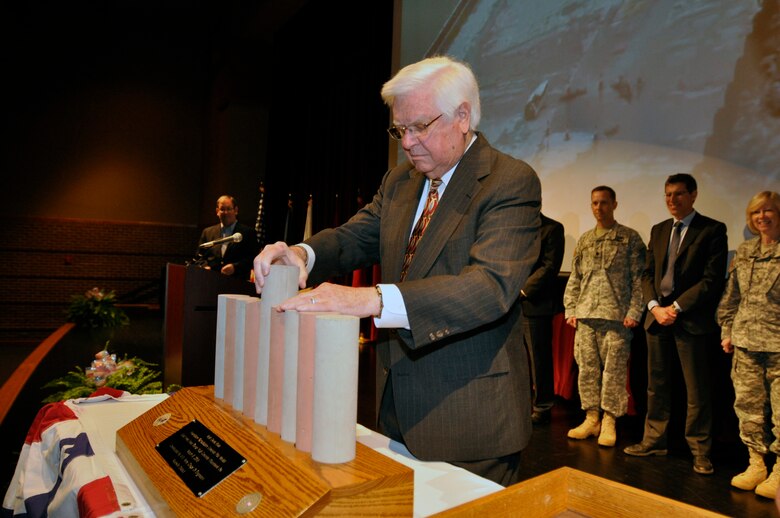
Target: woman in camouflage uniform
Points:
(749, 316)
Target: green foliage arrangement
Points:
(96, 308)
(134, 375)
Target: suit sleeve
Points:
(351, 246)
(202, 239)
(550, 262)
(648, 274)
(207, 254)
(714, 247)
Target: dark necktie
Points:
(667, 283)
(430, 205)
(223, 247)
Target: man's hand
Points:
(665, 315)
(228, 269)
(727, 346)
(279, 253)
(359, 302)
(572, 322)
(629, 322)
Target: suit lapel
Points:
(405, 199)
(460, 191)
(694, 229)
(213, 233)
(661, 250)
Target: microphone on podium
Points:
(235, 238)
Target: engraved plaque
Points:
(199, 457)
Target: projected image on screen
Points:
(622, 93)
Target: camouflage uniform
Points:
(749, 313)
(604, 288)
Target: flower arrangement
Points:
(96, 308)
(133, 375)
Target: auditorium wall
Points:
(124, 122)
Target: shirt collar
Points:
(445, 179)
(686, 221)
(228, 231)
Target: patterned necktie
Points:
(430, 205)
(667, 283)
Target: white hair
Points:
(451, 82)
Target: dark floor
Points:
(671, 476)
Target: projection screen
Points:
(622, 93)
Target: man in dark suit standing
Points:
(233, 258)
(682, 284)
(541, 301)
(455, 229)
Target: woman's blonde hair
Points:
(756, 202)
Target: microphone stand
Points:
(199, 260)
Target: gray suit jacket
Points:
(460, 373)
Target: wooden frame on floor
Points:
(570, 492)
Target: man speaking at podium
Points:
(228, 256)
(454, 229)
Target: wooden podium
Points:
(282, 480)
(191, 322)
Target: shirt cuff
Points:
(653, 303)
(394, 310)
(310, 253)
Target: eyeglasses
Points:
(675, 194)
(416, 130)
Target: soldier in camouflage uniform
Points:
(749, 315)
(603, 302)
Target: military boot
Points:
(753, 475)
(768, 488)
(608, 435)
(590, 426)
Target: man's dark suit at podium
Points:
(234, 258)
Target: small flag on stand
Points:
(260, 222)
(288, 219)
(307, 227)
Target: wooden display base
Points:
(289, 482)
(569, 492)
